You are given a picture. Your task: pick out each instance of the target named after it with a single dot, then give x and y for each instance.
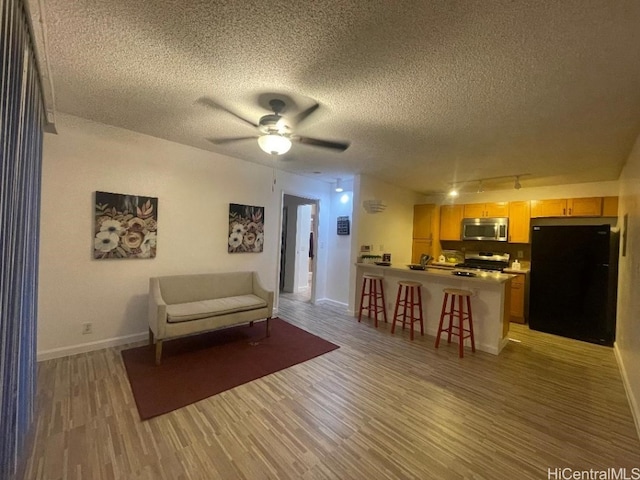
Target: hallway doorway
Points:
(298, 248)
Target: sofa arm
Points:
(260, 291)
(157, 309)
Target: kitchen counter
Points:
(491, 301)
(440, 271)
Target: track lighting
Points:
(482, 182)
(339, 185)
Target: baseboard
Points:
(328, 301)
(633, 403)
(90, 346)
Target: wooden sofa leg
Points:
(251, 324)
(158, 351)
(268, 328)
(150, 337)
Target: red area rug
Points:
(194, 368)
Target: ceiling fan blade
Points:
(207, 102)
(223, 141)
(341, 146)
(304, 114)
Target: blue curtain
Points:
(21, 154)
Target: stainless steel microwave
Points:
(485, 229)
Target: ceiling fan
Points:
(276, 131)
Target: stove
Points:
(487, 261)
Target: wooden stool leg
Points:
(405, 305)
(442, 314)
(473, 342)
(384, 305)
(420, 316)
(460, 327)
(395, 310)
(451, 314)
(374, 295)
(412, 310)
(364, 283)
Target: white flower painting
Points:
(246, 228)
(125, 226)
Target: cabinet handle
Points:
(569, 211)
(564, 211)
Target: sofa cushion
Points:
(183, 312)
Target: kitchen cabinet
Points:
(451, 221)
(610, 206)
(519, 222)
(424, 225)
(567, 207)
(490, 210)
(420, 246)
(518, 290)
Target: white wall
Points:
(390, 231)
(194, 188)
(627, 345)
(340, 246)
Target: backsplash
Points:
(521, 251)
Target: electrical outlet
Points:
(520, 254)
(381, 247)
(87, 328)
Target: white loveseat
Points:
(182, 305)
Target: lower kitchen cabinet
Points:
(518, 298)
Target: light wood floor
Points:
(379, 407)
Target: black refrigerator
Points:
(573, 284)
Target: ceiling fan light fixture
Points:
(274, 144)
(517, 184)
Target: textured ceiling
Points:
(427, 92)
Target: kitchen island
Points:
(490, 303)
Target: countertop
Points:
(523, 269)
(442, 271)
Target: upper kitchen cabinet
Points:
(424, 225)
(519, 222)
(451, 221)
(571, 207)
(610, 206)
(480, 210)
(423, 216)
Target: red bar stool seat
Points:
(373, 292)
(458, 329)
(408, 300)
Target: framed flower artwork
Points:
(246, 228)
(125, 226)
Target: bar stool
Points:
(373, 291)
(409, 298)
(460, 314)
